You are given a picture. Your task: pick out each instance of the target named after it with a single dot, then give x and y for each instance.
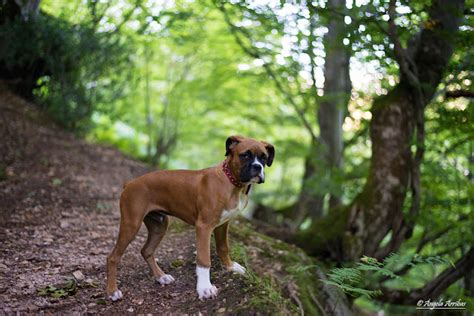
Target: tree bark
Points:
(337, 89)
(327, 157)
(148, 116)
(359, 228)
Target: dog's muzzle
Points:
(258, 172)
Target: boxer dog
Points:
(206, 199)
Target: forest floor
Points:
(59, 217)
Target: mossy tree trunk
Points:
(358, 229)
(379, 208)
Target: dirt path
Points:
(59, 215)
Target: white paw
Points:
(206, 292)
(165, 279)
(237, 268)
(204, 286)
(116, 295)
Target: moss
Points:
(281, 246)
(324, 234)
(265, 296)
(176, 263)
(307, 288)
(283, 290)
(268, 298)
(287, 281)
(238, 252)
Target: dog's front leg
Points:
(203, 263)
(222, 245)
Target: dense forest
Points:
(367, 102)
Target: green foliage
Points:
(65, 289)
(176, 263)
(364, 279)
(347, 279)
(72, 68)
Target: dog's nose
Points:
(257, 167)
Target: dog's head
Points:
(248, 158)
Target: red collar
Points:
(230, 176)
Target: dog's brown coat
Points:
(197, 197)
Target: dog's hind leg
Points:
(130, 221)
(127, 233)
(157, 224)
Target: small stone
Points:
(221, 310)
(78, 275)
(94, 251)
(130, 310)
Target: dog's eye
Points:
(246, 155)
(263, 159)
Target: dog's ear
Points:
(271, 152)
(231, 142)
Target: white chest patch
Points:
(228, 214)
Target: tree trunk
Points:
(311, 199)
(356, 230)
(322, 160)
(337, 89)
(148, 116)
(378, 209)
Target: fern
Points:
(355, 291)
(347, 280)
(354, 280)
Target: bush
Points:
(70, 69)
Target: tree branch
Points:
(128, 15)
(97, 17)
(404, 61)
(310, 50)
(427, 239)
(251, 51)
(459, 94)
